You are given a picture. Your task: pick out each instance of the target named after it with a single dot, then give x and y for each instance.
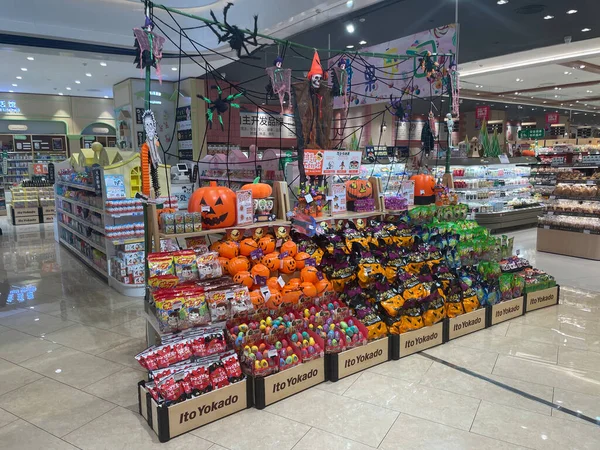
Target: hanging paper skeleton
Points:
(219, 105)
(281, 80)
(150, 47)
(313, 112)
(150, 157)
(233, 34)
(339, 78)
(453, 88)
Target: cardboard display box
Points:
(422, 339)
(504, 311)
(541, 299)
(467, 323)
(346, 363)
(570, 243)
(170, 421)
(280, 385)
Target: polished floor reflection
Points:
(68, 377)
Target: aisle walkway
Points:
(67, 373)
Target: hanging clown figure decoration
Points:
(281, 80)
(150, 158)
(313, 112)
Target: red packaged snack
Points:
(170, 389)
(218, 375)
(200, 380)
(232, 366)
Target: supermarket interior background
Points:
(354, 225)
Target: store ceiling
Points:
(487, 30)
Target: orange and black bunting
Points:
(145, 163)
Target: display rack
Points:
(31, 205)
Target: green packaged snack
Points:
(505, 282)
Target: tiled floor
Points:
(67, 373)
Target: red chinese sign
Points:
(313, 162)
(482, 113)
(552, 118)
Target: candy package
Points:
(185, 265)
(160, 264)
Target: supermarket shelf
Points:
(523, 160)
(81, 236)
(76, 186)
(588, 182)
(509, 219)
(131, 214)
(84, 205)
(18, 160)
(502, 188)
(351, 215)
(81, 220)
(569, 229)
(274, 223)
(126, 241)
(130, 290)
(579, 199)
(233, 180)
(84, 258)
(570, 213)
(570, 243)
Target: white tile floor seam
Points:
(92, 334)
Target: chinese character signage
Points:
(552, 118)
(482, 113)
(536, 133)
(332, 162)
(267, 125)
(372, 80)
(9, 107)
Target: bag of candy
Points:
(185, 265)
(505, 282)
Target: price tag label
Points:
(272, 353)
(280, 281)
(266, 292)
(206, 208)
(308, 198)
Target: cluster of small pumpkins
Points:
(253, 269)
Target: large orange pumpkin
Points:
(229, 249)
(309, 274)
(247, 246)
(273, 284)
(356, 189)
(271, 260)
(238, 264)
(257, 299)
(424, 185)
(274, 300)
(259, 190)
(244, 277)
(323, 286)
(308, 289)
(220, 202)
(288, 265)
(260, 270)
(291, 295)
(224, 263)
(290, 247)
(267, 244)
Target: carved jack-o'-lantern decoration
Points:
(260, 270)
(357, 189)
(424, 193)
(271, 260)
(290, 248)
(308, 289)
(257, 299)
(219, 203)
(288, 265)
(273, 284)
(247, 246)
(229, 250)
(309, 274)
(238, 264)
(243, 277)
(323, 286)
(301, 258)
(274, 300)
(291, 294)
(267, 244)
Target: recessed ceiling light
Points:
(88, 74)
(19, 77)
(11, 91)
(478, 93)
(570, 104)
(24, 69)
(548, 17)
(502, 2)
(567, 73)
(585, 104)
(545, 101)
(505, 106)
(362, 19)
(582, 66)
(362, 42)
(556, 88)
(585, 30)
(556, 96)
(106, 96)
(68, 88)
(588, 91)
(518, 79)
(173, 68)
(30, 58)
(77, 82)
(15, 85)
(349, 46)
(60, 93)
(576, 101)
(530, 97)
(350, 28)
(349, 3)
(560, 89)
(516, 93)
(571, 11)
(103, 64)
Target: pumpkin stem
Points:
(256, 180)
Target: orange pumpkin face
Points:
(291, 295)
(267, 244)
(273, 284)
(257, 299)
(224, 264)
(214, 247)
(220, 202)
(229, 250)
(288, 265)
(293, 283)
(238, 264)
(243, 277)
(424, 185)
(247, 246)
(323, 286)
(259, 190)
(290, 247)
(308, 289)
(260, 270)
(271, 260)
(301, 258)
(309, 274)
(274, 300)
(356, 189)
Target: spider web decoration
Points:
(150, 48)
(281, 82)
(235, 36)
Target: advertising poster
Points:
(332, 162)
(338, 201)
(245, 207)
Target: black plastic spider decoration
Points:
(219, 105)
(427, 64)
(237, 38)
(398, 108)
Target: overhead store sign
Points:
(267, 125)
(373, 80)
(552, 118)
(9, 107)
(536, 133)
(482, 113)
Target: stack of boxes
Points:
(128, 265)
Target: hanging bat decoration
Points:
(232, 34)
(281, 80)
(149, 47)
(220, 105)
